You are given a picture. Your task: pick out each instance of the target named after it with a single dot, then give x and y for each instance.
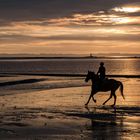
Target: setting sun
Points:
(127, 9)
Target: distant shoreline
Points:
(83, 57)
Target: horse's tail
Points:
(121, 89)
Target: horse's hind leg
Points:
(115, 97)
(94, 99)
(108, 98)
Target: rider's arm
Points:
(98, 71)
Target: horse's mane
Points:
(94, 75)
(92, 72)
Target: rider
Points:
(101, 72)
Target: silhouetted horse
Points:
(106, 85)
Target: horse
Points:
(104, 86)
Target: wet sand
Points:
(41, 107)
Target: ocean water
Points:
(70, 66)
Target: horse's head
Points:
(90, 75)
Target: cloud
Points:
(94, 19)
(68, 25)
(25, 34)
(25, 10)
(122, 15)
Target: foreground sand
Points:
(41, 108)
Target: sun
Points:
(126, 9)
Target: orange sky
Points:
(113, 29)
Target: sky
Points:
(69, 26)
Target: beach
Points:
(47, 107)
(56, 59)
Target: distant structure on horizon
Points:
(90, 55)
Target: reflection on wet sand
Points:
(107, 126)
(111, 123)
(59, 113)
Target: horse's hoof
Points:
(113, 106)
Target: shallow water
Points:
(22, 84)
(70, 66)
(53, 108)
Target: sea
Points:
(114, 66)
(40, 106)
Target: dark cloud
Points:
(23, 10)
(26, 38)
(16, 37)
(126, 37)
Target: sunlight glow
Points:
(127, 9)
(78, 33)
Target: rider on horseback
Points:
(101, 71)
(101, 75)
(100, 83)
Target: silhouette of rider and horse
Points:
(101, 83)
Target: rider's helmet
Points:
(102, 63)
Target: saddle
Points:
(101, 83)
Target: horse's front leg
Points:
(91, 95)
(88, 100)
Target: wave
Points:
(39, 84)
